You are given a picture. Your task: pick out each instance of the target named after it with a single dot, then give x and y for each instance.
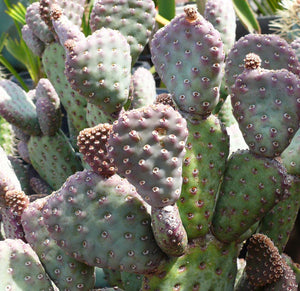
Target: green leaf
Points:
(166, 8)
(3, 38)
(17, 12)
(246, 15)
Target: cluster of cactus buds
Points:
(118, 188)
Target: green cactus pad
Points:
(17, 108)
(221, 15)
(53, 158)
(275, 54)
(102, 222)
(48, 107)
(6, 133)
(207, 149)
(207, 265)
(188, 56)
(266, 104)
(290, 157)
(147, 146)
(98, 68)
(251, 187)
(278, 223)
(134, 19)
(131, 282)
(142, 88)
(75, 105)
(64, 271)
(95, 115)
(21, 269)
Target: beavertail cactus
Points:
(147, 145)
(188, 56)
(8, 178)
(275, 54)
(168, 230)
(74, 104)
(63, 27)
(279, 222)
(204, 258)
(134, 19)
(142, 88)
(290, 157)
(120, 237)
(73, 10)
(48, 108)
(202, 171)
(53, 158)
(267, 126)
(33, 42)
(22, 268)
(36, 23)
(18, 108)
(112, 186)
(221, 15)
(252, 186)
(98, 67)
(64, 270)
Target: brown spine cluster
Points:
(265, 266)
(92, 143)
(17, 201)
(252, 61)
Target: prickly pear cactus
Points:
(193, 73)
(98, 68)
(22, 268)
(147, 146)
(112, 186)
(123, 239)
(207, 265)
(134, 19)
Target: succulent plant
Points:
(116, 187)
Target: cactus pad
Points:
(266, 104)
(20, 268)
(102, 222)
(64, 271)
(188, 56)
(17, 108)
(251, 187)
(134, 19)
(147, 146)
(98, 67)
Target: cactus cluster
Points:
(115, 187)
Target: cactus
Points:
(134, 19)
(113, 186)
(192, 74)
(287, 23)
